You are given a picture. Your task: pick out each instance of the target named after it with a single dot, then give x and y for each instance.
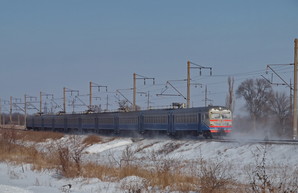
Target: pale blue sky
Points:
(48, 45)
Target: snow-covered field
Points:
(241, 154)
(20, 179)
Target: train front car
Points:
(220, 121)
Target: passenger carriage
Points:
(206, 121)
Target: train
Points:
(206, 121)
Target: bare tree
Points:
(256, 94)
(230, 96)
(280, 107)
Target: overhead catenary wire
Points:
(215, 83)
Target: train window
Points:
(194, 118)
(146, 119)
(186, 118)
(87, 120)
(47, 121)
(105, 121)
(215, 115)
(155, 119)
(128, 120)
(226, 115)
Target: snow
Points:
(10, 189)
(98, 148)
(21, 179)
(133, 183)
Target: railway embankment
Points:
(159, 164)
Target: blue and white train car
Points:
(206, 121)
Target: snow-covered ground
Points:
(21, 179)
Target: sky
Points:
(48, 45)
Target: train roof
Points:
(150, 111)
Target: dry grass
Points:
(92, 170)
(168, 148)
(141, 148)
(19, 154)
(166, 174)
(27, 135)
(60, 160)
(41, 136)
(178, 182)
(92, 139)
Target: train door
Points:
(116, 124)
(199, 118)
(42, 123)
(96, 124)
(53, 124)
(65, 124)
(33, 124)
(170, 123)
(141, 123)
(80, 124)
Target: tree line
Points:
(268, 110)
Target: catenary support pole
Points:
(64, 100)
(0, 112)
(10, 110)
(25, 109)
(295, 90)
(134, 91)
(40, 102)
(90, 96)
(206, 98)
(107, 105)
(188, 85)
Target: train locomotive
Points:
(207, 121)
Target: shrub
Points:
(214, 176)
(263, 179)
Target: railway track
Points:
(227, 140)
(260, 141)
(222, 140)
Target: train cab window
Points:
(215, 115)
(226, 115)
